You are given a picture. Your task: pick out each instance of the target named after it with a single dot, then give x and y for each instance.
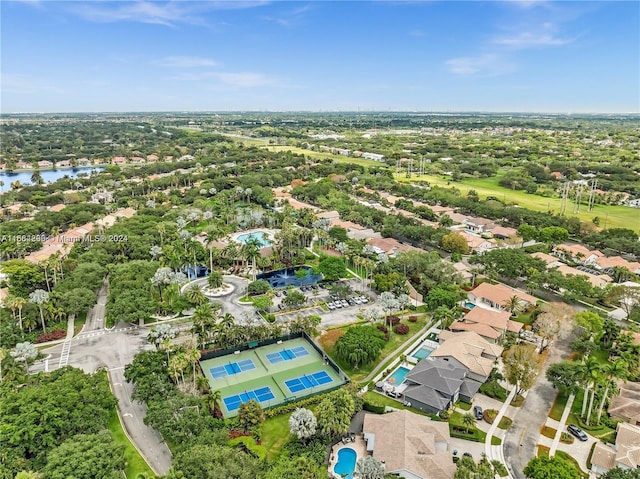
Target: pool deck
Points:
(270, 232)
(359, 445)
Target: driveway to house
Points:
(519, 444)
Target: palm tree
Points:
(612, 371)
(468, 420)
(202, 384)
(227, 320)
(3, 355)
(593, 375)
(203, 318)
(193, 356)
(513, 305)
(250, 251)
(24, 352)
(213, 399)
(40, 297)
(195, 296)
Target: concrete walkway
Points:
(496, 452)
(563, 421)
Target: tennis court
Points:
(308, 381)
(232, 368)
(287, 354)
(272, 375)
(261, 395)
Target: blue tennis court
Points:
(260, 395)
(308, 381)
(232, 368)
(287, 354)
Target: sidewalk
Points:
(560, 428)
(496, 452)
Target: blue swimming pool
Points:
(261, 236)
(469, 305)
(346, 463)
(398, 376)
(422, 353)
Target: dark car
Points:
(577, 432)
(477, 412)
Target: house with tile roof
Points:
(576, 252)
(410, 445)
(488, 323)
(625, 453)
(469, 349)
(496, 296)
(626, 405)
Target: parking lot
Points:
(338, 311)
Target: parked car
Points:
(477, 412)
(577, 432)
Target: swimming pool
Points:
(398, 376)
(346, 462)
(422, 353)
(469, 305)
(261, 236)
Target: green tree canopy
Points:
(332, 268)
(86, 456)
(550, 468)
(360, 345)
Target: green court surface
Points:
(246, 375)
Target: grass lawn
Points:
(381, 400)
(328, 341)
(322, 155)
(465, 406)
(558, 406)
(494, 390)
(275, 433)
(458, 429)
(505, 422)
(549, 432)
(525, 318)
(570, 460)
(517, 401)
(617, 216)
(135, 463)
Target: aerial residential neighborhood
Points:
(330, 240)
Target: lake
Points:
(48, 176)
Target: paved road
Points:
(519, 444)
(96, 347)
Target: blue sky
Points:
(331, 55)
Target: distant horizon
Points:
(319, 112)
(516, 56)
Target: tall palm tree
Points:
(193, 356)
(593, 373)
(213, 399)
(202, 384)
(40, 297)
(615, 370)
(250, 251)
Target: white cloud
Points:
(532, 39)
(292, 17)
(486, 65)
(167, 13)
(184, 62)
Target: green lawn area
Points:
(494, 390)
(322, 155)
(558, 406)
(465, 406)
(570, 460)
(135, 463)
(475, 434)
(525, 318)
(328, 340)
(275, 433)
(618, 216)
(505, 422)
(381, 400)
